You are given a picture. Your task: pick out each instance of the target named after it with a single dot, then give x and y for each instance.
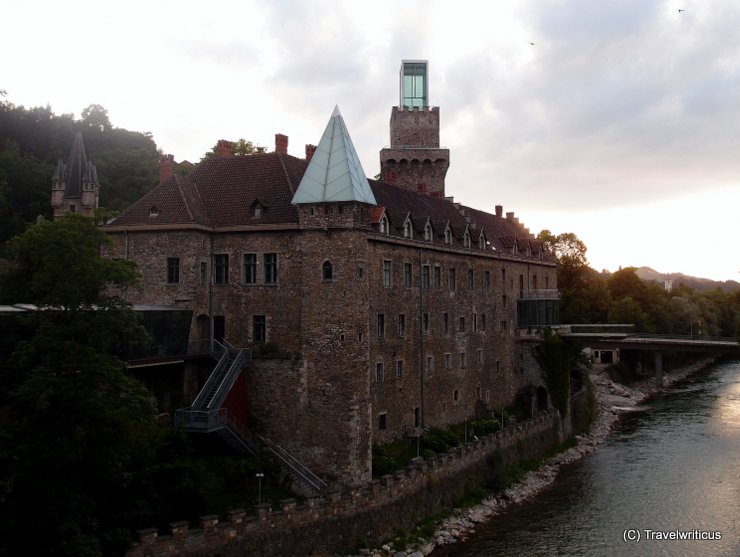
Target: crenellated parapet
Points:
(374, 510)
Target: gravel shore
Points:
(612, 399)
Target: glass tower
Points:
(414, 89)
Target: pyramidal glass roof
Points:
(335, 172)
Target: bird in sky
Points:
(532, 44)
(680, 10)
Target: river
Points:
(672, 468)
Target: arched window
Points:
(327, 270)
(407, 231)
(466, 239)
(428, 232)
(448, 236)
(384, 225)
(257, 210)
(481, 242)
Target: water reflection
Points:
(672, 467)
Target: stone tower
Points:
(333, 201)
(74, 186)
(415, 160)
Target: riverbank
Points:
(612, 399)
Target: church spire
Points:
(74, 185)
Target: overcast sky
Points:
(621, 122)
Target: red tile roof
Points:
(221, 192)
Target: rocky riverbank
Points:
(612, 399)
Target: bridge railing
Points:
(689, 338)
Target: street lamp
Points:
(259, 476)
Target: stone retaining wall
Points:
(340, 520)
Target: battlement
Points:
(332, 521)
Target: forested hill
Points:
(32, 140)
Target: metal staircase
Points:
(206, 415)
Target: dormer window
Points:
(481, 242)
(257, 210)
(153, 211)
(384, 225)
(466, 239)
(407, 229)
(428, 232)
(448, 236)
(514, 248)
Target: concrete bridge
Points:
(622, 337)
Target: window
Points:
(481, 242)
(448, 360)
(408, 231)
(461, 327)
(445, 323)
(504, 325)
(483, 322)
(487, 281)
(437, 278)
(448, 236)
(425, 323)
(475, 322)
(503, 301)
(221, 268)
(384, 225)
(259, 328)
(203, 272)
(503, 276)
(326, 270)
(387, 274)
(383, 421)
(471, 280)
(521, 286)
(417, 416)
(379, 372)
(534, 282)
(271, 270)
(451, 278)
(425, 277)
(407, 275)
(480, 355)
(466, 239)
(173, 270)
(455, 395)
(257, 210)
(463, 360)
(381, 325)
(399, 369)
(250, 268)
(428, 232)
(430, 365)
(401, 325)
(73, 209)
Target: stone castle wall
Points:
(372, 512)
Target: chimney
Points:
(166, 167)
(310, 149)
(499, 211)
(224, 148)
(281, 143)
(510, 215)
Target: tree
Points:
(239, 148)
(96, 117)
(77, 434)
(58, 263)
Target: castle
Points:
(394, 307)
